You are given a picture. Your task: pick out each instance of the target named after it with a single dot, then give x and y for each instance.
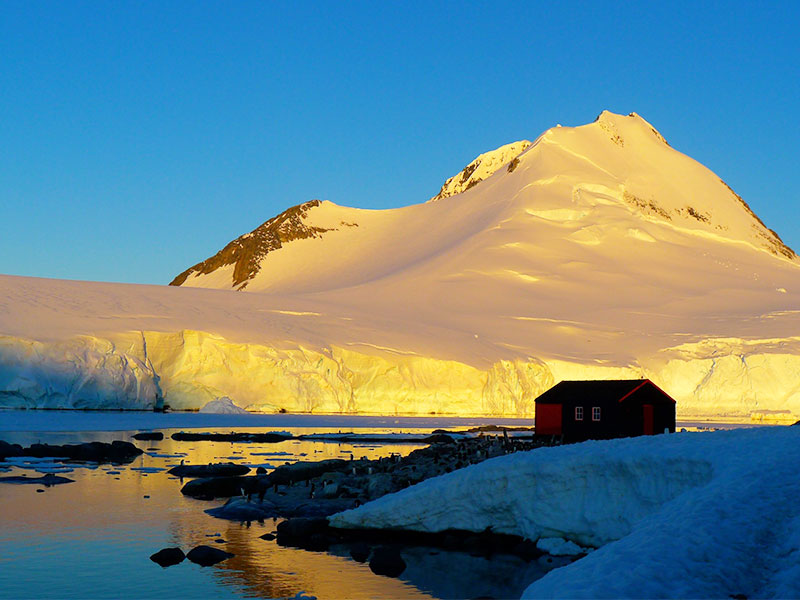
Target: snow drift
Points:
(706, 515)
(592, 252)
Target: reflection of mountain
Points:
(594, 252)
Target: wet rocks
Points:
(209, 470)
(206, 556)
(99, 452)
(148, 435)
(45, 480)
(7, 450)
(191, 436)
(359, 552)
(168, 557)
(387, 561)
(218, 487)
(307, 533)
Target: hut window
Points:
(579, 413)
(595, 413)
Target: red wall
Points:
(548, 419)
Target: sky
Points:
(138, 138)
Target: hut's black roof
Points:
(608, 389)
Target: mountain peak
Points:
(577, 193)
(482, 167)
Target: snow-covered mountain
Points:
(595, 251)
(613, 183)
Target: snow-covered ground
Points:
(596, 252)
(689, 515)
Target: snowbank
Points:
(682, 516)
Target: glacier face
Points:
(187, 370)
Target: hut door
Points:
(648, 419)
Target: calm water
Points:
(93, 538)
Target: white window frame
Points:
(595, 413)
(579, 413)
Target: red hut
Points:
(583, 410)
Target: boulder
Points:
(99, 452)
(148, 435)
(210, 470)
(359, 552)
(219, 487)
(387, 561)
(380, 484)
(45, 480)
(205, 556)
(7, 449)
(303, 532)
(439, 438)
(168, 557)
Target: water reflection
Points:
(93, 538)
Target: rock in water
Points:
(168, 557)
(359, 552)
(205, 556)
(148, 435)
(45, 480)
(209, 470)
(387, 561)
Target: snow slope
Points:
(593, 252)
(705, 515)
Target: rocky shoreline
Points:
(321, 488)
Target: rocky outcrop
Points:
(246, 252)
(482, 167)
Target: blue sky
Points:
(137, 138)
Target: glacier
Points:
(187, 370)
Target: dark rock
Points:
(148, 435)
(219, 487)
(359, 552)
(220, 541)
(316, 542)
(205, 556)
(301, 471)
(245, 253)
(184, 436)
(527, 550)
(168, 557)
(387, 561)
(210, 470)
(45, 480)
(100, 452)
(7, 449)
(303, 532)
(268, 536)
(261, 471)
(301, 527)
(439, 438)
(40, 491)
